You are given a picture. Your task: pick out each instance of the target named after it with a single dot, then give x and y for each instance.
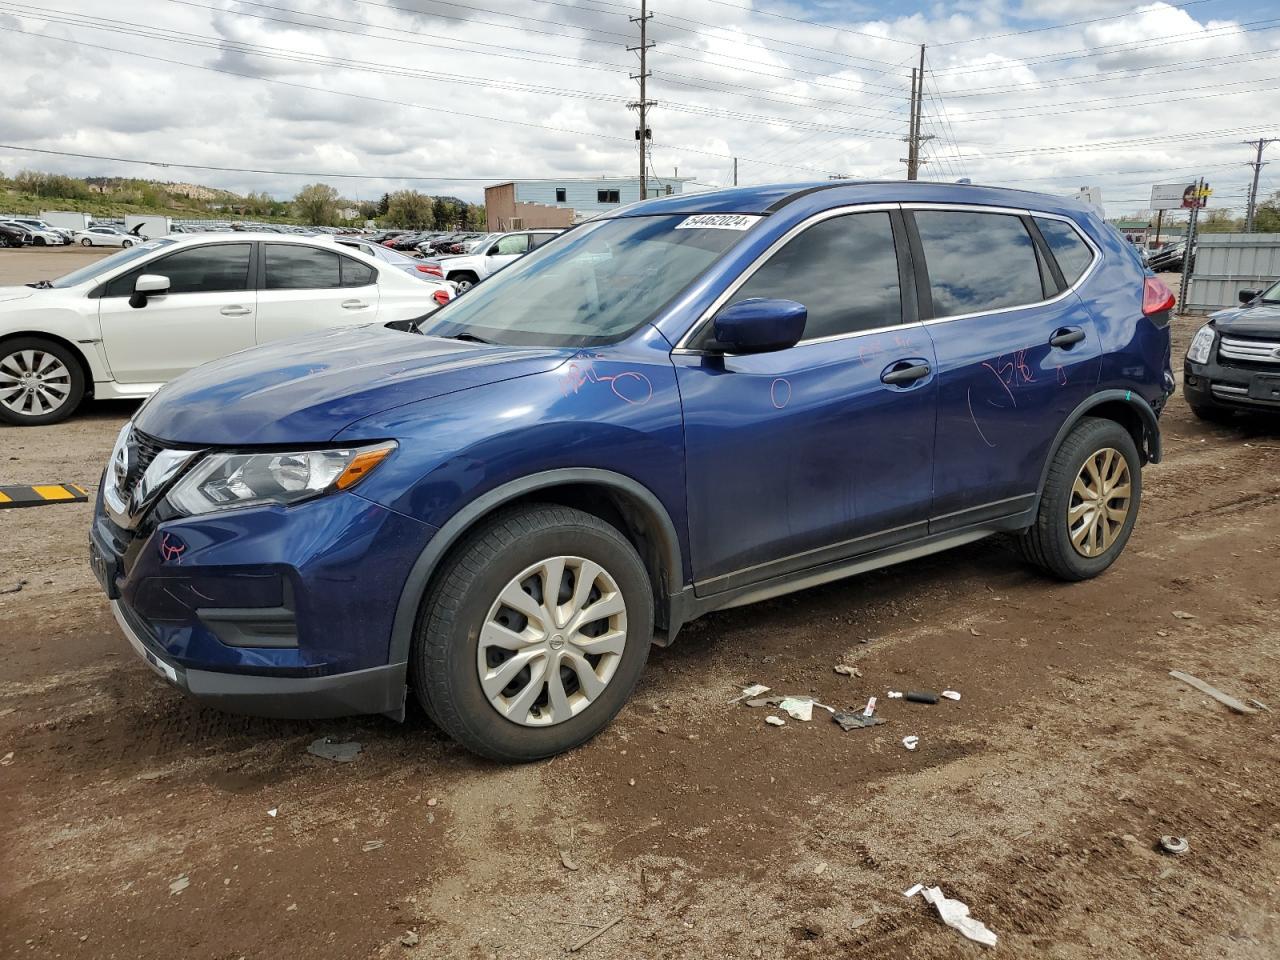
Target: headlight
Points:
(222, 481)
(1201, 345)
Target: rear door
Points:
(208, 313)
(1017, 352)
(803, 456)
(306, 288)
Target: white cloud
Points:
(794, 101)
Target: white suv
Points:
(123, 326)
(468, 269)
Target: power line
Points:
(1062, 26)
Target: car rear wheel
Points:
(535, 634)
(40, 382)
(1089, 504)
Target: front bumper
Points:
(273, 611)
(1238, 387)
(374, 690)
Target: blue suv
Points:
(695, 403)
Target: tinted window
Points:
(978, 261)
(213, 269)
(607, 196)
(538, 239)
(357, 274)
(292, 267)
(1071, 252)
(845, 270)
(561, 193)
(519, 243)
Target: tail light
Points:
(1156, 296)
(441, 297)
(432, 269)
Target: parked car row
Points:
(20, 231)
(487, 255)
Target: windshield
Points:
(99, 267)
(592, 285)
(1272, 293)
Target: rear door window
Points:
(357, 274)
(978, 262)
(216, 268)
(844, 270)
(1073, 255)
(516, 244)
(295, 267)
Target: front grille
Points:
(1249, 351)
(147, 447)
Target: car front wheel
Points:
(40, 382)
(535, 634)
(1089, 503)
(86, 242)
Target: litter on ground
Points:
(919, 696)
(951, 694)
(955, 914)
(775, 721)
(797, 708)
(1228, 701)
(911, 742)
(752, 691)
(329, 749)
(856, 721)
(845, 670)
(1174, 845)
(870, 708)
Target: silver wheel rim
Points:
(542, 663)
(1100, 501)
(463, 285)
(33, 383)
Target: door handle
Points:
(353, 304)
(235, 311)
(1066, 337)
(904, 373)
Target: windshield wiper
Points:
(469, 337)
(42, 284)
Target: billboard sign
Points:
(1179, 196)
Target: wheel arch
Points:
(613, 497)
(85, 368)
(1125, 408)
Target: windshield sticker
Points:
(718, 221)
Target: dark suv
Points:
(689, 404)
(1233, 362)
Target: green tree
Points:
(409, 209)
(1219, 221)
(1267, 217)
(316, 204)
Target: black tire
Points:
(75, 381)
(443, 661)
(39, 241)
(127, 244)
(86, 242)
(464, 279)
(1047, 543)
(1211, 413)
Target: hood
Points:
(1262, 320)
(305, 390)
(15, 293)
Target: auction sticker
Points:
(718, 221)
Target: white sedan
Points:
(36, 235)
(123, 326)
(104, 237)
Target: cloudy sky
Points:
(447, 96)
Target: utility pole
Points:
(735, 171)
(1189, 245)
(643, 104)
(1261, 144)
(913, 138)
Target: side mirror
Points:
(148, 285)
(1248, 296)
(759, 325)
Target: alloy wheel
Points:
(33, 382)
(1100, 500)
(552, 641)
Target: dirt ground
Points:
(137, 825)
